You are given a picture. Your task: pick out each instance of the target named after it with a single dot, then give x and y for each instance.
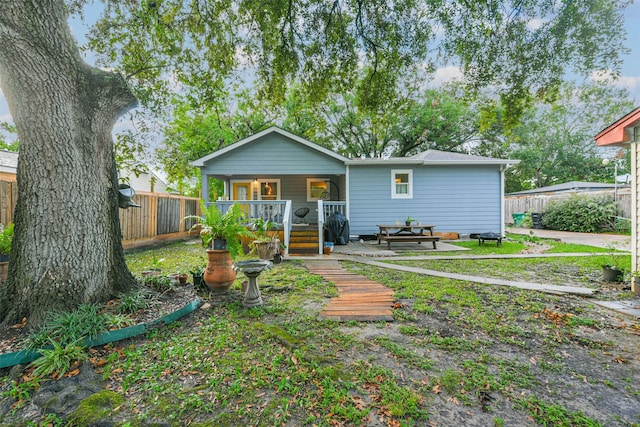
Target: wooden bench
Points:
(407, 238)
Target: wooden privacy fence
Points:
(8, 199)
(158, 214)
(539, 202)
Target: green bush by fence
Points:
(581, 213)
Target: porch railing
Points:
(278, 211)
(327, 208)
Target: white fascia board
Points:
(470, 162)
(431, 162)
(378, 162)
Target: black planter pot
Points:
(220, 244)
(612, 274)
(198, 281)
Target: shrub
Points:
(581, 213)
(6, 237)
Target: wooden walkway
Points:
(358, 297)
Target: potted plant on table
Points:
(408, 221)
(222, 235)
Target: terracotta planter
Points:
(219, 274)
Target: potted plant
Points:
(611, 271)
(267, 243)
(156, 267)
(408, 221)
(198, 276)
(222, 235)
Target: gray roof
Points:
(568, 186)
(448, 156)
(8, 159)
(437, 157)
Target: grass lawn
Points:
(457, 353)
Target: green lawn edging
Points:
(26, 356)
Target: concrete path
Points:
(366, 253)
(615, 241)
(542, 287)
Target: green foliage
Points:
(554, 140)
(159, 283)
(213, 224)
(6, 238)
(581, 213)
(85, 322)
(327, 47)
(193, 134)
(265, 230)
(132, 301)
(20, 391)
(8, 137)
(555, 415)
(117, 321)
(58, 359)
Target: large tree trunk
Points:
(67, 247)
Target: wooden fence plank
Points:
(135, 223)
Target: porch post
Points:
(346, 193)
(205, 188)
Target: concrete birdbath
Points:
(252, 269)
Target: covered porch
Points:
(299, 238)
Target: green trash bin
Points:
(518, 218)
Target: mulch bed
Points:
(12, 338)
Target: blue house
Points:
(275, 174)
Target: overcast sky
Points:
(630, 69)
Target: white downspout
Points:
(502, 224)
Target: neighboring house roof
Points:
(621, 131)
(8, 161)
(572, 186)
(143, 181)
(273, 129)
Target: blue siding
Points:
(463, 199)
(276, 155)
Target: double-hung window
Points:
(401, 184)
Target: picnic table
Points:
(407, 233)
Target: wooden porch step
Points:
(304, 234)
(302, 239)
(303, 245)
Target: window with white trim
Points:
(318, 188)
(402, 184)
